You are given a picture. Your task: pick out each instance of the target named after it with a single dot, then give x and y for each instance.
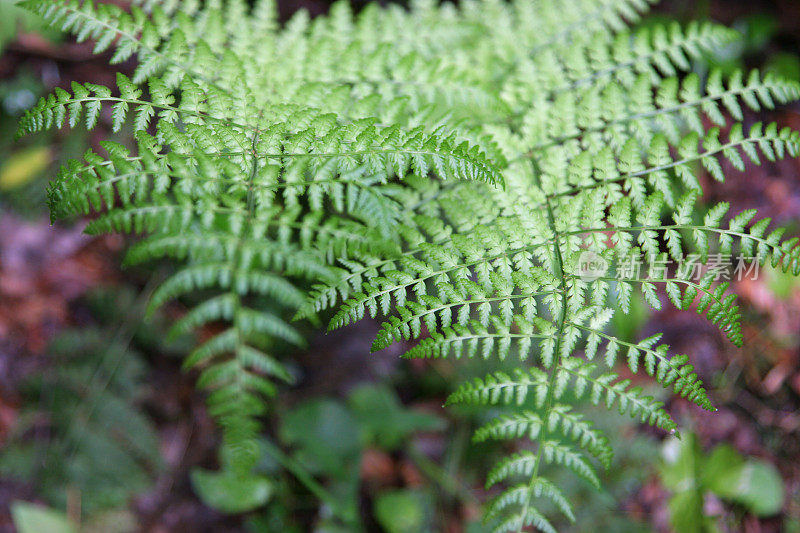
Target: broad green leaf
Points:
(384, 421)
(229, 492)
(33, 518)
(402, 511)
(755, 484)
(325, 434)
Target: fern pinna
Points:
(452, 179)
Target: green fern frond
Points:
(449, 180)
(573, 375)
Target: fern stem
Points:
(156, 106)
(665, 280)
(619, 341)
(489, 299)
(553, 370)
(210, 179)
(636, 401)
(484, 260)
(721, 231)
(666, 166)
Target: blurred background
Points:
(100, 427)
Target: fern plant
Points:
(83, 427)
(449, 178)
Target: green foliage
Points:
(691, 474)
(329, 447)
(30, 518)
(383, 419)
(402, 510)
(448, 179)
(327, 439)
(14, 20)
(89, 410)
(227, 492)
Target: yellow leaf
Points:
(23, 166)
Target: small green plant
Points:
(483, 182)
(322, 442)
(691, 474)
